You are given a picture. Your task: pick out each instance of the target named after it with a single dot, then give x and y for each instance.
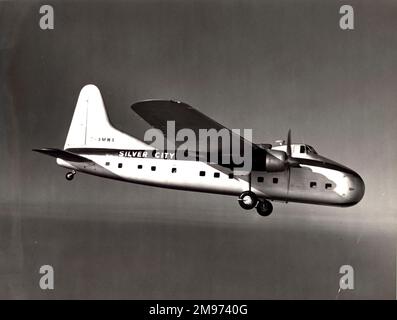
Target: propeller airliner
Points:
(285, 172)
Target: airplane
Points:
(285, 172)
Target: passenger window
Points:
(231, 176)
(202, 173)
(139, 166)
(260, 179)
(302, 149)
(275, 180)
(120, 165)
(328, 185)
(173, 170)
(153, 168)
(107, 163)
(216, 175)
(313, 184)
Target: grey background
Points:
(265, 65)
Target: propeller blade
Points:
(289, 152)
(288, 183)
(292, 162)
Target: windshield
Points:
(310, 149)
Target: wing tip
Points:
(156, 101)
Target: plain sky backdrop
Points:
(264, 65)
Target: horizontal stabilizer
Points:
(62, 154)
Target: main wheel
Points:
(247, 200)
(264, 208)
(70, 175)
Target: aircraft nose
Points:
(356, 189)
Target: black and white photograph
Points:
(197, 150)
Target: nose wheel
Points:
(70, 175)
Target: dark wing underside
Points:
(157, 112)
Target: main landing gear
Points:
(70, 175)
(248, 200)
(264, 208)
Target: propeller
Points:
(289, 153)
(290, 161)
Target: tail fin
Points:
(90, 127)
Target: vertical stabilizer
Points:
(90, 127)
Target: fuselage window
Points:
(202, 173)
(120, 165)
(139, 166)
(216, 175)
(153, 168)
(173, 170)
(275, 180)
(231, 176)
(328, 185)
(260, 179)
(107, 163)
(302, 149)
(313, 184)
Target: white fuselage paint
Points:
(161, 171)
(186, 177)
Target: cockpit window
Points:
(310, 149)
(305, 149)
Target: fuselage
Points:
(317, 180)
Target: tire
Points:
(69, 176)
(248, 200)
(264, 208)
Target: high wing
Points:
(157, 112)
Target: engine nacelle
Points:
(276, 161)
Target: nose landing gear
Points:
(248, 200)
(70, 175)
